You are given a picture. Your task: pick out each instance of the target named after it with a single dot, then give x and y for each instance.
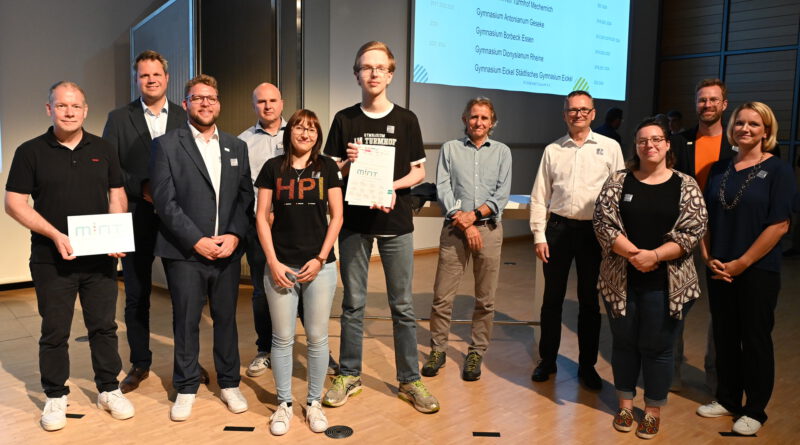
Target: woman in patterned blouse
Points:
(647, 219)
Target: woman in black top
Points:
(749, 202)
(647, 220)
(300, 187)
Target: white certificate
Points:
(99, 234)
(371, 177)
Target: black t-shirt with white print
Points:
(300, 206)
(398, 129)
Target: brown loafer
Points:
(133, 379)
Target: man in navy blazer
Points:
(202, 191)
(131, 129)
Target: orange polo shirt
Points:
(706, 153)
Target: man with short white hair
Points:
(70, 172)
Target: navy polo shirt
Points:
(766, 200)
(63, 183)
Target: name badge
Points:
(762, 174)
(234, 162)
(628, 197)
(390, 129)
(315, 175)
(226, 149)
(736, 149)
(599, 151)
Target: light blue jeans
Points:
(397, 256)
(317, 299)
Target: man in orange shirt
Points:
(696, 150)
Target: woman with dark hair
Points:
(300, 187)
(750, 202)
(647, 219)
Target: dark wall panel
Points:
(678, 79)
(763, 23)
(689, 26)
(237, 46)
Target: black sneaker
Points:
(435, 361)
(472, 367)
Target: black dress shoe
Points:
(133, 379)
(590, 379)
(543, 371)
(204, 378)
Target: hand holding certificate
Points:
(371, 177)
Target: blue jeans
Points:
(644, 339)
(317, 299)
(397, 256)
(258, 263)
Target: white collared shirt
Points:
(212, 157)
(156, 124)
(570, 178)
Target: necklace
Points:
(301, 172)
(750, 176)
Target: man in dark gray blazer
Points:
(202, 191)
(131, 129)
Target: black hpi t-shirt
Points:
(398, 129)
(63, 182)
(300, 203)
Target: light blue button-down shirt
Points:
(468, 176)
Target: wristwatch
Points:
(320, 259)
(478, 215)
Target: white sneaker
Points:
(316, 418)
(279, 421)
(746, 426)
(259, 365)
(235, 400)
(713, 409)
(54, 414)
(116, 403)
(182, 408)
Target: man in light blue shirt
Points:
(473, 181)
(264, 141)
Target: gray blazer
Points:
(184, 197)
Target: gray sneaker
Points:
(259, 365)
(418, 395)
(343, 386)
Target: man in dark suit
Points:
(696, 150)
(131, 129)
(202, 191)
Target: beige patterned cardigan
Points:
(687, 232)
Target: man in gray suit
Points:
(130, 129)
(202, 191)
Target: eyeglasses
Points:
(574, 111)
(655, 140)
(709, 101)
(379, 70)
(299, 129)
(212, 100)
(62, 108)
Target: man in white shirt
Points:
(571, 174)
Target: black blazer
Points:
(683, 144)
(127, 131)
(184, 197)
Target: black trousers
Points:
(137, 269)
(567, 240)
(57, 285)
(742, 316)
(190, 282)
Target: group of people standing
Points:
(712, 195)
(201, 198)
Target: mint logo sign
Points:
(100, 234)
(581, 84)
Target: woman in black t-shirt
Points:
(749, 204)
(647, 220)
(299, 187)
